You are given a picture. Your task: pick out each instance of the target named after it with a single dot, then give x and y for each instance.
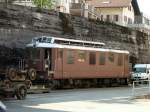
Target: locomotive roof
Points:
(96, 46)
(70, 40)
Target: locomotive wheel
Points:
(21, 92)
(32, 74)
(12, 74)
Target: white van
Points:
(141, 72)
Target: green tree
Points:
(44, 3)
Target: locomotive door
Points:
(48, 59)
(126, 65)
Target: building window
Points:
(116, 18)
(92, 58)
(81, 56)
(125, 18)
(70, 57)
(146, 21)
(129, 21)
(120, 59)
(102, 18)
(111, 57)
(108, 18)
(102, 59)
(129, 8)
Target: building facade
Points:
(121, 12)
(118, 11)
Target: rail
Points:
(140, 88)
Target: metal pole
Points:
(82, 7)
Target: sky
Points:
(144, 6)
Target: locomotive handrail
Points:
(21, 64)
(56, 40)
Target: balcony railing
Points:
(85, 7)
(139, 26)
(75, 6)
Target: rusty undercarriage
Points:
(13, 80)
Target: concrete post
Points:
(133, 86)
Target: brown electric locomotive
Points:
(76, 63)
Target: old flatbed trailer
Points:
(12, 89)
(13, 78)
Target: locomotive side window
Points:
(70, 57)
(92, 58)
(81, 56)
(111, 57)
(120, 59)
(102, 59)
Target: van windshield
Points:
(140, 70)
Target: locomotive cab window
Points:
(70, 57)
(102, 59)
(92, 58)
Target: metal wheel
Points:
(32, 74)
(21, 92)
